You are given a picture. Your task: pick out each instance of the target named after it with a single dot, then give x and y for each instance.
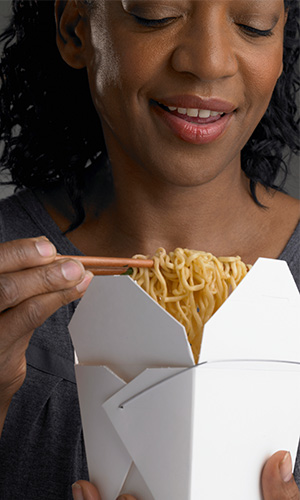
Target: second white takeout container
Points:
(160, 427)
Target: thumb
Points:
(83, 490)
(126, 497)
(277, 479)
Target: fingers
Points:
(31, 313)
(18, 286)
(126, 497)
(277, 478)
(32, 287)
(83, 490)
(22, 254)
(18, 324)
(28, 298)
(277, 482)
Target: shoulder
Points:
(285, 208)
(282, 216)
(288, 210)
(291, 254)
(278, 229)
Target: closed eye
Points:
(153, 23)
(254, 32)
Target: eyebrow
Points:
(262, 4)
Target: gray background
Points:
(293, 182)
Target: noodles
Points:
(191, 285)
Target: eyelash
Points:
(152, 23)
(254, 32)
(156, 23)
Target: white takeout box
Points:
(162, 428)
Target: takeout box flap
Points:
(119, 325)
(176, 429)
(105, 450)
(154, 419)
(259, 320)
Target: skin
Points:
(190, 196)
(32, 287)
(167, 192)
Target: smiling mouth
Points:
(193, 115)
(195, 125)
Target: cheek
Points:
(103, 68)
(261, 77)
(118, 81)
(118, 70)
(259, 74)
(110, 82)
(104, 65)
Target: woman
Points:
(184, 150)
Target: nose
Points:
(205, 48)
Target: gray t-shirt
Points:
(42, 450)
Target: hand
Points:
(277, 482)
(277, 479)
(83, 490)
(32, 287)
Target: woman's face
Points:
(180, 85)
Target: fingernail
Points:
(71, 270)
(85, 282)
(286, 468)
(77, 492)
(45, 248)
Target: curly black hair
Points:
(49, 140)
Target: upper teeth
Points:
(195, 112)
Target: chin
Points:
(187, 174)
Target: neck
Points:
(145, 215)
(218, 217)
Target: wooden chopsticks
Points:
(109, 265)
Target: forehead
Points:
(274, 9)
(233, 5)
(249, 3)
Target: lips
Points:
(193, 119)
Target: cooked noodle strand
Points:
(191, 285)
